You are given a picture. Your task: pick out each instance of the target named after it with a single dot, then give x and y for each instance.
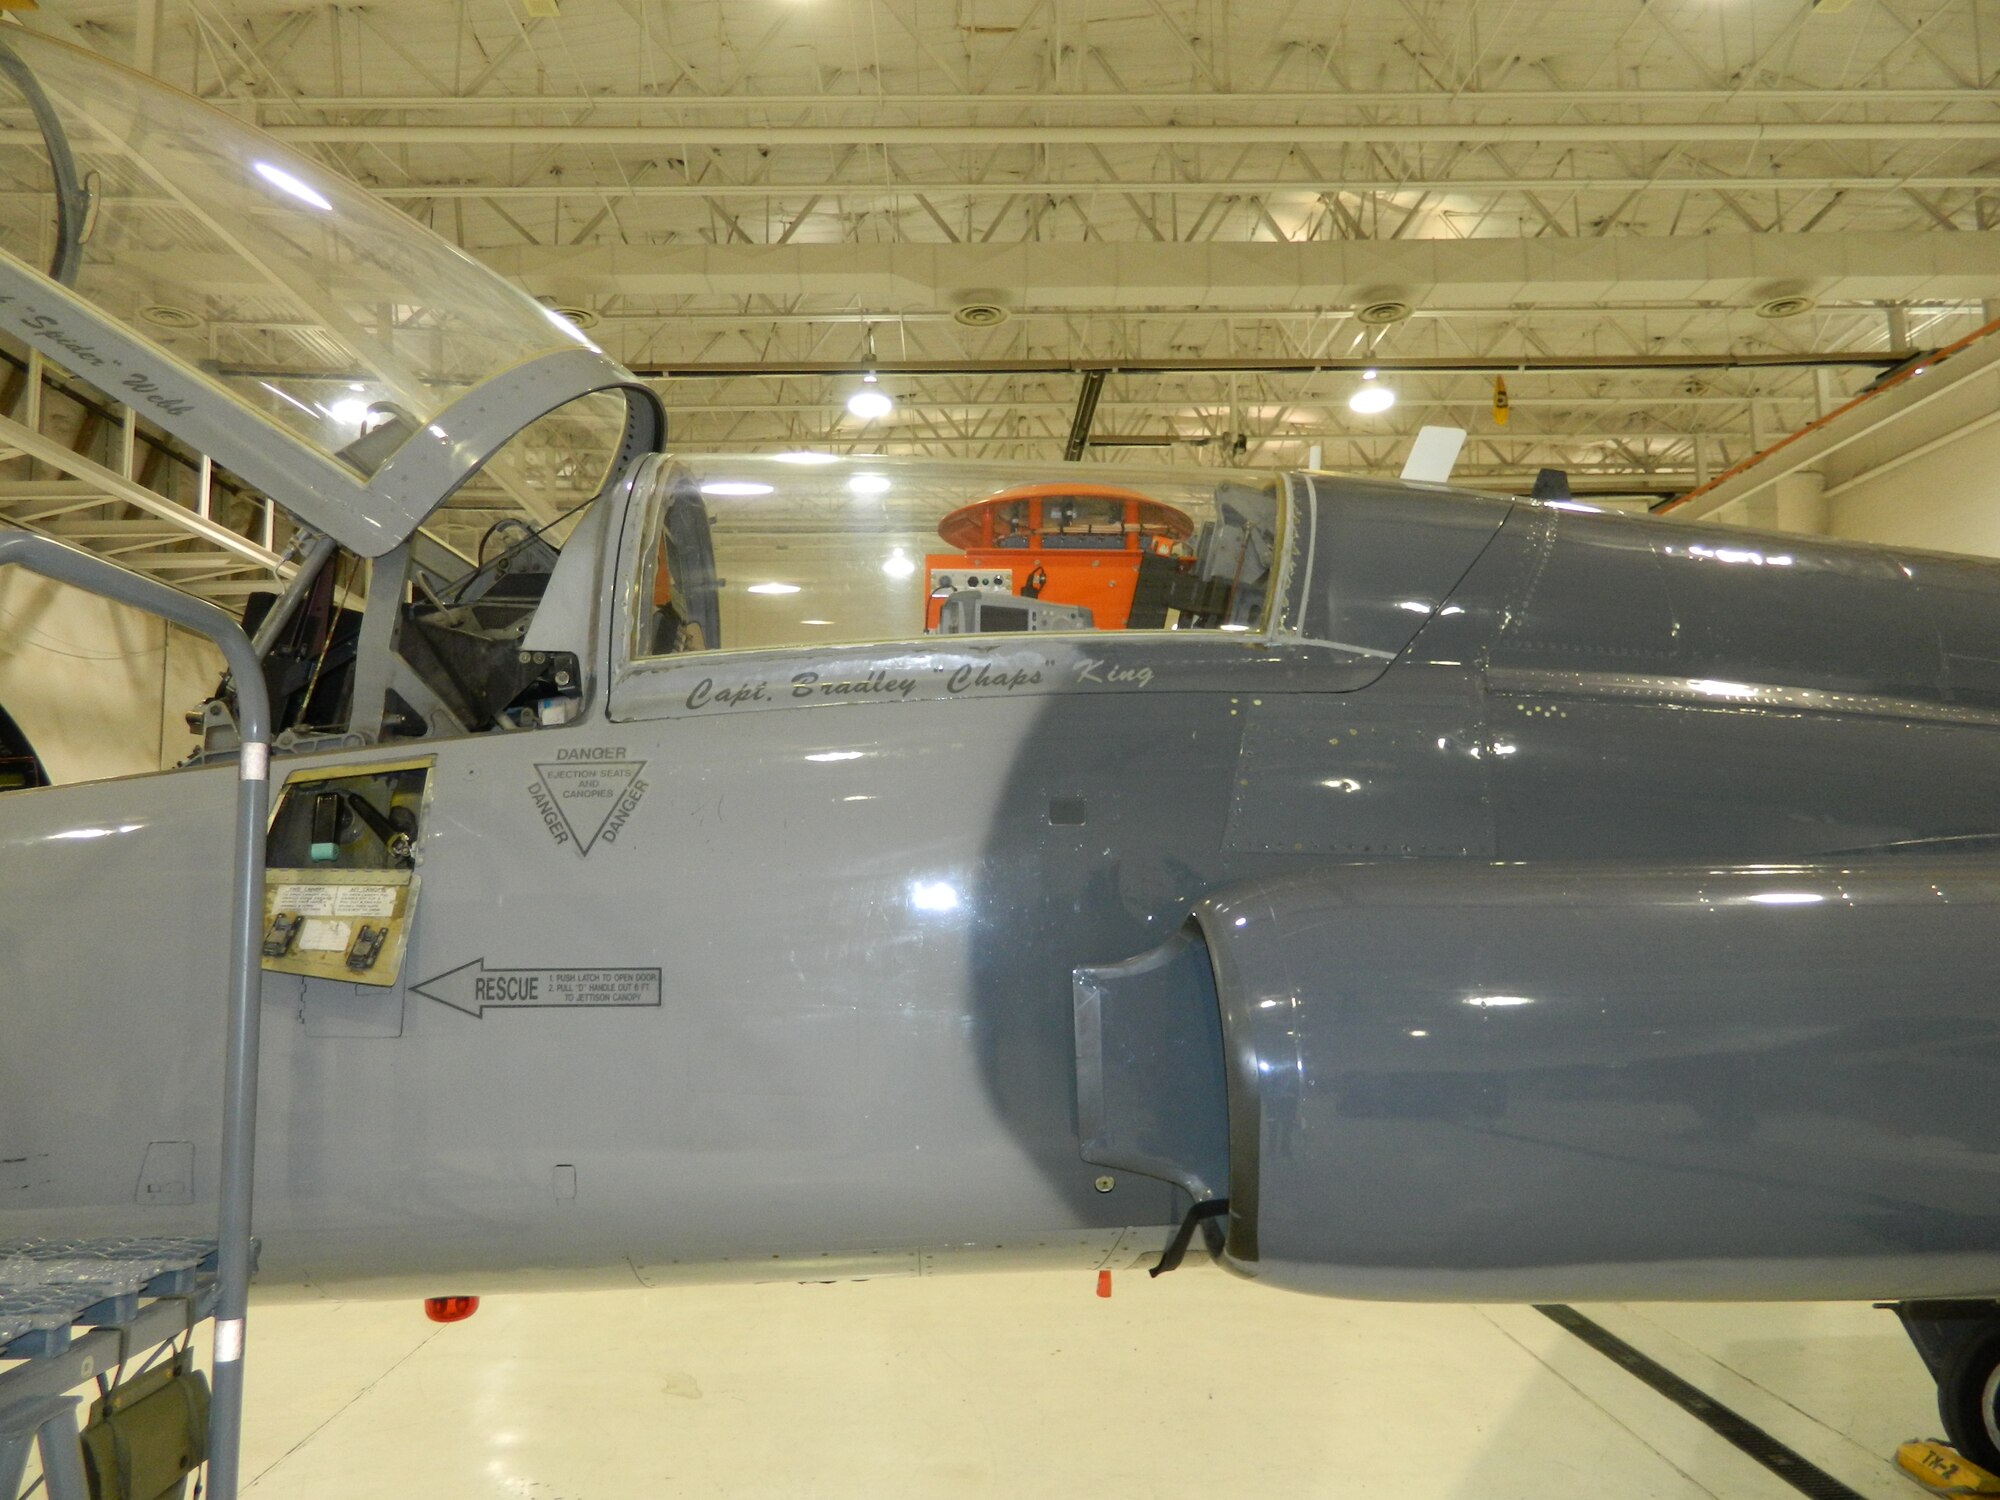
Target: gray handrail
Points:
(239, 1081)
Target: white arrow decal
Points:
(475, 989)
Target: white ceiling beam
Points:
(670, 137)
(1122, 102)
(1719, 268)
(570, 187)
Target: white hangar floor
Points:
(965, 1388)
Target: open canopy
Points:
(262, 303)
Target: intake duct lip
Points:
(1216, 916)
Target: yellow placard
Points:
(1936, 1466)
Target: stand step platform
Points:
(49, 1287)
(76, 1310)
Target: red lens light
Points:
(450, 1309)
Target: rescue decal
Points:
(476, 989)
(587, 794)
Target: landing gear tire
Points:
(1969, 1398)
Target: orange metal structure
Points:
(1065, 543)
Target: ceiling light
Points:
(349, 412)
(870, 406)
(285, 182)
(898, 564)
(774, 588)
(869, 484)
(1371, 399)
(815, 622)
(735, 487)
(806, 456)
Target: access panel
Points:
(340, 884)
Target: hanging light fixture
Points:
(868, 403)
(1372, 398)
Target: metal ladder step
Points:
(50, 1286)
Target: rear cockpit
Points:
(812, 549)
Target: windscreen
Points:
(810, 549)
(314, 302)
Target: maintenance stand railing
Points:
(140, 1294)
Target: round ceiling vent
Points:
(164, 315)
(582, 317)
(1784, 307)
(1388, 310)
(980, 314)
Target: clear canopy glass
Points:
(810, 549)
(313, 301)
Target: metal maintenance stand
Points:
(134, 1294)
(140, 1293)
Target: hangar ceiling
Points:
(1232, 208)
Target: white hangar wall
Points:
(100, 690)
(1915, 465)
(1945, 499)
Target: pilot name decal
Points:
(47, 329)
(949, 679)
(1092, 669)
(587, 794)
(476, 989)
(800, 686)
(929, 677)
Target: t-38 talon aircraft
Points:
(823, 867)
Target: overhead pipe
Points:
(1260, 364)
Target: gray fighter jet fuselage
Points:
(1580, 906)
(1412, 893)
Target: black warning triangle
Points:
(586, 793)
